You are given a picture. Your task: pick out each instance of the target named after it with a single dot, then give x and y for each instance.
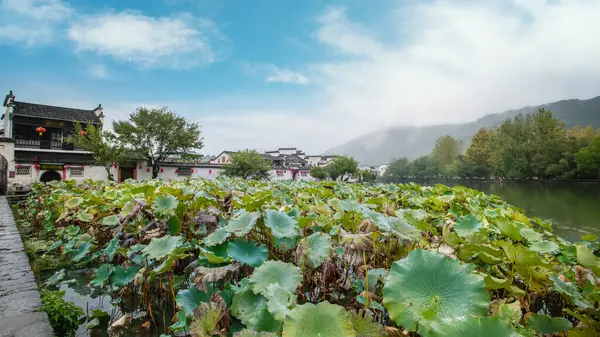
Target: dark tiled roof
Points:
(55, 112)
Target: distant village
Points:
(34, 148)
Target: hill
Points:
(412, 142)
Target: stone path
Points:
(19, 295)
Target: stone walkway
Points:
(19, 295)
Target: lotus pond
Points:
(299, 259)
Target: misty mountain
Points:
(412, 142)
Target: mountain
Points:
(412, 142)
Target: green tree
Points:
(477, 155)
(423, 167)
(399, 169)
(445, 151)
(512, 148)
(342, 168)
(247, 164)
(548, 143)
(102, 146)
(588, 159)
(367, 175)
(319, 173)
(157, 134)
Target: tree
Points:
(342, 167)
(399, 169)
(588, 159)
(367, 175)
(512, 149)
(156, 134)
(422, 168)
(445, 151)
(247, 164)
(548, 143)
(477, 155)
(319, 173)
(101, 144)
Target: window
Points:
(184, 171)
(23, 170)
(280, 173)
(304, 173)
(76, 171)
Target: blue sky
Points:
(311, 74)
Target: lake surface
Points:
(574, 209)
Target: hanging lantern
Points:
(192, 170)
(209, 171)
(36, 167)
(82, 132)
(162, 170)
(40, 130)
(115, 164)
(147, 169)
(284, 171)
(176, 170)
(18, 165)
(68, 166)
(81, 167)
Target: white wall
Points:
(285, 174)
(171, 173)
(224, 158)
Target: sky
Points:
(311, 74)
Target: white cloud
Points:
(32, 21)
(287, 76)
(426, 63)
(98, 71)
(176, 42)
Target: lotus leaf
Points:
(85, 217)
(284, 274)
(252, 310)
(122, 276)
(476, 327)
(364, 326)
(217, 237)
(205, 275)
(511, 229)
(74, 202)
(101, 276)
(111, 220)
(323, 320)
(190, 299)
(165, 204)
(82, 250)
(467, 224)
(427, 290)
(174, 225)
(279, 301)
(161, 247)
(250, 333)
(531, 235)
(545, 247)
(55, 279)
(570, 292)
(247, 252)
(128, 208)
(510, 312)
(281, 224)
(315, 249)
(545, 324)
(286, 243)
(586, 258)
(242, 223)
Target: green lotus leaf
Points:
(250, 333)
(586, 258)
(190, 299)
(467, 224)
(426, 290)
(165, 203)
(349, 205)
(286, 243)
(315, 249)
(110, 195)
(85, 217)
(545, 324)
(364, 326)
(493, 283)
(475, 327)
(101, 275)
(279, 301)
(570, 292)
(589, 237)
(121, 276)
(284, 274)
(252, 310)
(111, 221)
(545, 247)
(55, 279)
(128, 208)
(217, 237)
(242, 223)
(215, 256)
(82, 250)
(324, 320)
(247, 252)
(281, 224)
(174, 225)
(74, 202)
(511, 229)
(167, 264)
(510, 312)
(531, 235)
(519, 254)
(161, 247)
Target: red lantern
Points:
(115, 164)
(162, 170)
(209, 171)
(176, 170)
(40, 130)
(81, 167)
(68, 166)
(83, 133)
(284, 171)
(192, 170)
(18, 165)
(147, 169)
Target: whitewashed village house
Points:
(34, 147)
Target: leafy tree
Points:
(157, 134)
(101, 144)
(477, 155)
(588, 159)
(399, 169)
(422, 167)
(342, 167)
(548, 142)
(319, 173)
(445, 151)
(367, 175)
(512, 150)
(247, 164)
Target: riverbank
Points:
(20, 300)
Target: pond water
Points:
(573, 208)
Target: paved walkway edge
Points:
(19, 294)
